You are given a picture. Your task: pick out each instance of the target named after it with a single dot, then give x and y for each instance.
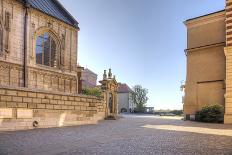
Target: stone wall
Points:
(31, 91)
(20, 107)
(228, 54)
(205, 84)
(11, 74)
(52, 80)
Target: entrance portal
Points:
(110, 88)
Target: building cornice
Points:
(204, 47)
(210, 18)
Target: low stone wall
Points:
(20, 107)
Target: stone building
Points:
(89, 78)
(124, 101)
(38, 68)
(38, 45)
(209, 62)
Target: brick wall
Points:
(20, 107)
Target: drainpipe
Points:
(25, 69)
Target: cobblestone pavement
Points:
(131, 135)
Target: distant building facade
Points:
(124, 101)
(89, 78)
(209, 62)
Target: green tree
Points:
(92, 91)
(139, 97)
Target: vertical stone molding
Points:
(228, 54)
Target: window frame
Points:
(57, 53)
(7, 32)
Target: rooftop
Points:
(52, 8)
(205, 15)
(89, 71)
(124, 88)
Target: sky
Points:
(142, 41)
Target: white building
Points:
(124, 101)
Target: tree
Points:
(92, 91)
(139, 97)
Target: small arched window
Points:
(46, 50)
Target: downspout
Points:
(25, 69)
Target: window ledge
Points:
(53, 69)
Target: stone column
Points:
(79, 79)
(228, 54)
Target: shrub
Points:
(139, 110)
(211, 113)
(92, 91)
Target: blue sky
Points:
(143, 41)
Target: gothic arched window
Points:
(46, 50)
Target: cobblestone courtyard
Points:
(131, 135)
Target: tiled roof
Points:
(124, 88)
(88, 70)
(53, 8)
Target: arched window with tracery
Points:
(47, 52)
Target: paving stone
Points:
(131, 135)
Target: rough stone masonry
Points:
(38, 69)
